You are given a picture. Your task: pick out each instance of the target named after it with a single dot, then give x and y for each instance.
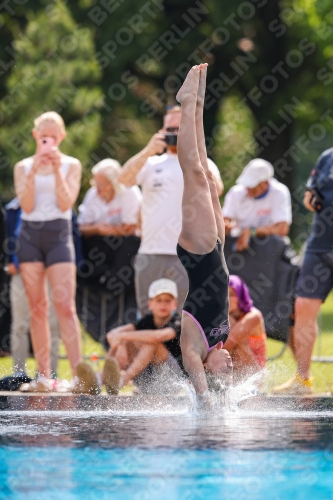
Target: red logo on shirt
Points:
(264, 211)
(114, 211)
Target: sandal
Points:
(111, 376)
(86, 381)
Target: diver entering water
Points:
(205, 323)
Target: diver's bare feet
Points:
(189, 89)
(202, 84)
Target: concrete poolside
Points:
(18, 401)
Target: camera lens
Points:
(171, 139)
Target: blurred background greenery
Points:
(110, 68)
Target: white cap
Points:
(256, 171)
(162, 286)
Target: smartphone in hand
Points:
(46, 144)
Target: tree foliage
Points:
(268, 54)
(269, 79)
(55, 69)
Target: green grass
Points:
(284, 367)
(89, 347)
(278, 370)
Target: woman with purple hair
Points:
(247, 339)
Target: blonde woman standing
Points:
(47, 185)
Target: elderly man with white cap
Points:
(258, 205)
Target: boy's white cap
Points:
(162, 286)
(256, 171)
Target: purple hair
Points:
(243, 295)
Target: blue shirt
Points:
(321, 239)
(13, 224)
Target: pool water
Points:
(132, 473)
(177, 455)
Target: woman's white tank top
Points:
(46, 207)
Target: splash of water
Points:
(245, 389)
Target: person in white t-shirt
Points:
(258, 205)
(161, 179)
(109, 208)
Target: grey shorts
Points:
(315, 280)
(49, 241)
(149, 268)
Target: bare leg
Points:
(136, 356)
(199, 231)
(62, 279)
(33, 275)
(203, 153)
(305, 331)
(197, 206)
(147, 353)
(19, 335)
(291, 341)
(199, 225)
(123, 354)
(244, 361)
(55, 335)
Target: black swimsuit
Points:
(207, 301)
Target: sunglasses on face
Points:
(99, 185)
(172, 130)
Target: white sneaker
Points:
(64, 386)
(41, 384)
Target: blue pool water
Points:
(247, 454)
(132, 473)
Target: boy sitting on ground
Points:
(138, 350)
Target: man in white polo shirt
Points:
(258, 205)
(161, 179)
